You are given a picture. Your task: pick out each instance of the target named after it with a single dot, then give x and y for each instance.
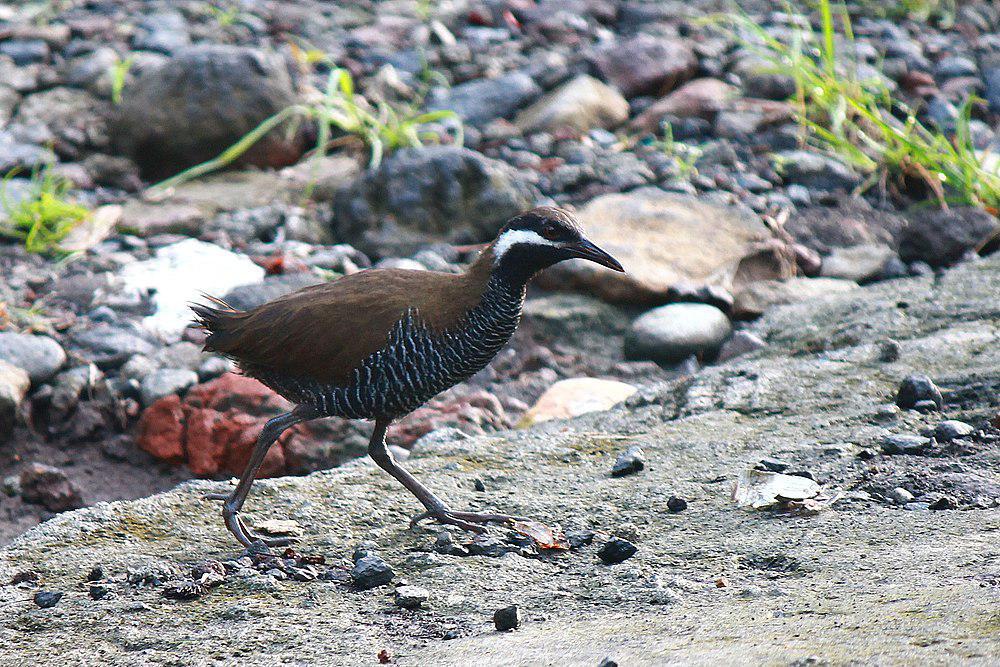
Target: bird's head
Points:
(540, 238)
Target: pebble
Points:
(915, 389)
(50, 487)
(904, 444)
(616, 550)
(46, 599)
(580, 538)
(950, 429)
(370, 572)
(165, 382)
(40, 356)
(772, 465)
(507, 618)
(676, 504)
(739, 344)
(411, 597)
(671, 333)
(900, 496)
(99, 591)
(888, 351)
(944, 503)
(631, 461)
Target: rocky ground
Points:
(104, 393)
(880, 545)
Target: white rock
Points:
(180, 273)
(672, 333)
(576, 396)
(582, 103)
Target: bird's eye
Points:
(550, 233)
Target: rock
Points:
(47, 599)
(667, 243)
(646, 65)
(468, 412)
(49, 486)
(25, 51)
(370, 572)
(581, 104)
(676, 504)
(14, 384)
(700, 98)
(199, 103)
(904, 444)
(669, 334)
(179, 274)
(631, 461)
(93, 229)
(576, 396)
(860, 263)
(941, 238)
(740, 343)
(507, 618)
(411, 597)
(165, 382)
(951, 429)
(482, 100)
(900, 496)
(850, 223)
(435, 193)
(109, 346)
(758, 297)
(916, 388)
(991, 77)
(23, 157)
(616, 550)
(165, 32)
(73, 120)
(40, 356)
(816, 172)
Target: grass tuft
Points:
(45, 217)
(856, 118)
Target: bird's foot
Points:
(239, 529)
(471, 521)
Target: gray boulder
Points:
(435, 193)
(201, 102)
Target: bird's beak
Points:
(584, 249)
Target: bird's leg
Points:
(436, 508)
(233, 502)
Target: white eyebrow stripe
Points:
(514, 236)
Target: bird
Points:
(378, 343)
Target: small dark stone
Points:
(888, 351)
(451, 634)
(632, 460)
(802, 473)
(371, 572)
(46, 599)
(617, 550)
(926, 406)
(915, 389)
(579, 538)
(491, 547)
(99, 591)
(772, 465)
(942, 503)
(608, 662)
(675, 504)
(479, 485)
(904, 444)
(507, 618)
(96, 573)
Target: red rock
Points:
(161, 430)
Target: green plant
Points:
(43, 218)
(857, 119)
(684, 155)
(118, 72)
(225, 15)
(380, 129)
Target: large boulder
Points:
(667, 242)
(201, 102)
(435, 193)
(40, 356)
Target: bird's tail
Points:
(216, 318)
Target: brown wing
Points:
(323, 332)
